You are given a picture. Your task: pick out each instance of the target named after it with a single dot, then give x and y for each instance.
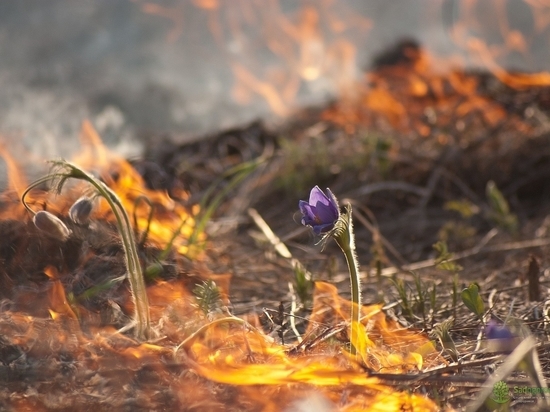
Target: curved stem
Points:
(35, 184)
(346, 241)
(135, 275)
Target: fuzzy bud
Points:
(80, 211)
(52, 225)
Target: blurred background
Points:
(185, 68)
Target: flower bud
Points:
(80, 211)
(321, 212)
(52, 225)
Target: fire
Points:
(241, 356)
(273, 53)
(59, 307)
(416, 98)
(16, 186)
(227, 360)
(169, 216)
(193, 349)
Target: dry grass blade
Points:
(522, 351)
(479, 249)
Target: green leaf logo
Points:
(501, 393)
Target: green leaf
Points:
(496, 200)
(210, 202)
(472, 300)
(442, 332)
(466, 208)
(499, 209)
(208, 297)
(444, 258)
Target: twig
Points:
(433, 180)
(325, 334)
(185, 344)
(460, 184)
(397, 185)
(388, 272)
(292, 318)
(279, 246)
(375, 231)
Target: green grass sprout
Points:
(499, 212)
(208, 297)
(210, 203)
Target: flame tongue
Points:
(168, 217)
(219, 356)
(228, 353)
(420, 95)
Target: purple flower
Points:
(496, 331)
(321, 212)
(500, 338)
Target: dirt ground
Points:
(409, 189)
(467, 170)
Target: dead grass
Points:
(400, 185)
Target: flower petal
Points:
(308, 217)
(333, 202)
(324, 213)
(318, 229)
(318, 196)
(321, 212)
(496, 331)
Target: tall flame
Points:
(168, 214)
(276, 52)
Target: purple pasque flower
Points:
(500, 337)
(321, 212)
(496, 331)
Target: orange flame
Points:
(233, 353)
(59, 307)
(417, 96)
(16, 178)
(220, 354)
(274, 53)
(129, 185)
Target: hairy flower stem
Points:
(345, 239)
(135, 275)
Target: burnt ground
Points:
(413, 180)
(411, 185)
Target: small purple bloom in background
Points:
(321, 212)
(496, 331)
(500, 338)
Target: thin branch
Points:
(479, 249)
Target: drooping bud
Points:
(80, 211)
(52, 225)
